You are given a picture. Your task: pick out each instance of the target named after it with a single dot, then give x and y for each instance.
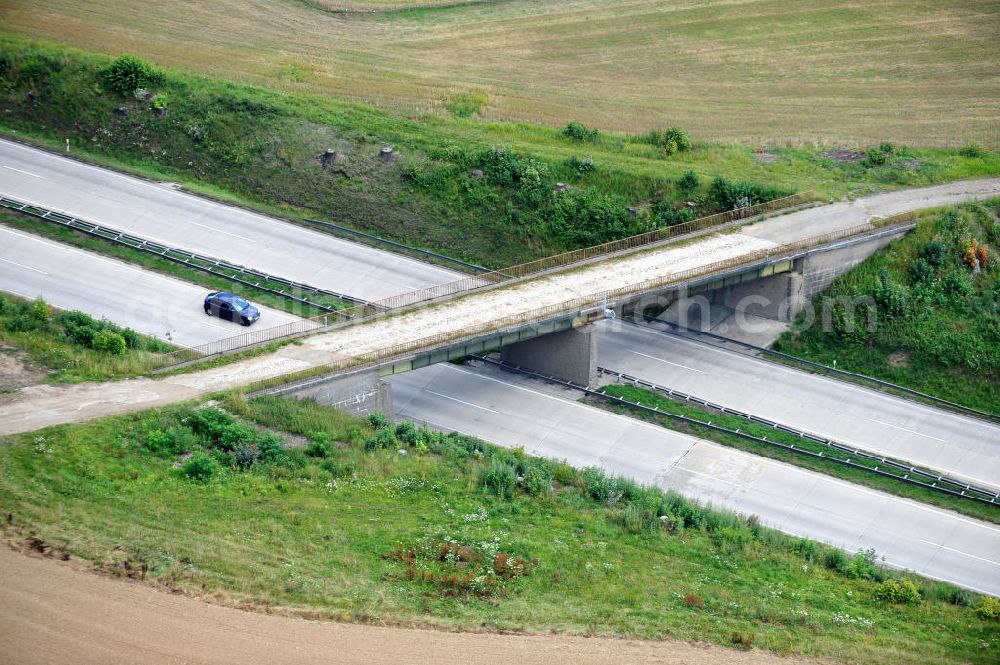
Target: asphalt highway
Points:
(160, 213)
(959, 446)
(512, 411)
(147, 302)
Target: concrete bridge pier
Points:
(570, 355)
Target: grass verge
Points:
(482, 192)
(348, 527)
(857, 476)
(74, 346)
(923, 313)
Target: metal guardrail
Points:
(217, 267)
(885, 467)
(363, 314)
(886, 386)
(930, 479)
(393, 245)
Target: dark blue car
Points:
(230, 306)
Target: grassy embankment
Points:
(446, 534)
(74, 346)
(761, 72)
(262, 148)
(936, 314)
(653, 399)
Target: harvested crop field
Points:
(757, 72)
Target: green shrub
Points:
(500, 479)
(159, 101)
(579, 132)
(172, 441)
(862, 566)
(835, 559)
(732, 195)
(406, 433)
(382, 439)
(40, 310)
(200, 467)
(588, 217)
(879, 156)
(670, 140)
(935, 253)
(689, 181)
(318, 449)
(272, 449)
(921, 272)
(111, 342)
(246, 456)
(580, 166)
(897, 591)
(128, 73)
(988, 608)
(378, 421)
(132, 338)
(602, 487)
(972, 151)
(665, 214)
(5, 305)
(537, 480)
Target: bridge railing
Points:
(592, 303)
(365, 311)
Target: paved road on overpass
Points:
(145, 301)
(565, 291)
(160, 213)
(962, 447)
(513, 411)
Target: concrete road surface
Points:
(512, 411)
(844, 214)
(962, 447)
(160, 213)
(147, 302)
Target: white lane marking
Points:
(455, 399)
(880, 422)
(17, 293)
(730, 451)
(21, 265)
(700, 371)
(836, 383)
(212, 228)
(33, 175)
(630, 421)
(952, 549)
(348, 247)
(90, 255)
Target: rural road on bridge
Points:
(959, 446)
(148, 302)
(39, 406)
(160, 213)
(510, 410)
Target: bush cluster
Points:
(578, 132)
(216, 439)
(128, 73)
(74, 327)
(670, 140)
(735, 194)
(901, 591)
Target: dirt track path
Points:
(50, 612)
